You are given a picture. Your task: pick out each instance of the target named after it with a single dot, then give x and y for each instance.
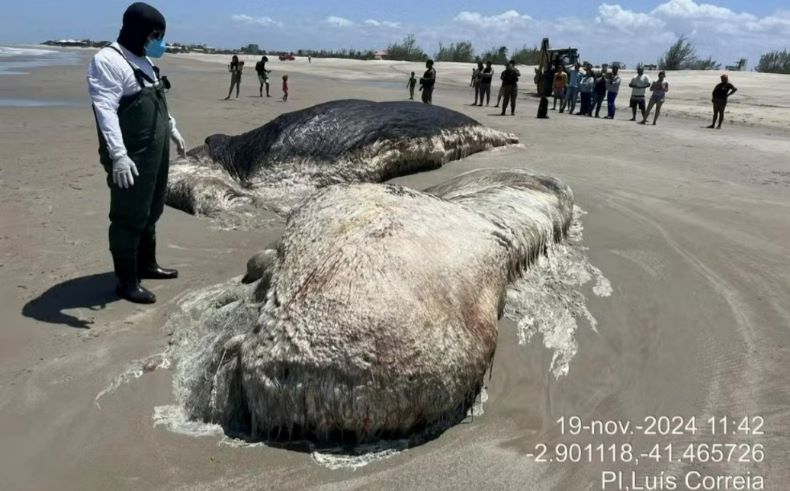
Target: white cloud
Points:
(688, 9)
(626, 20)
(257, 21)
(381, 23)
(336, 21)
(508, 20)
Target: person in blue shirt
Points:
(574, 78)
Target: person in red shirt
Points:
(285, 87)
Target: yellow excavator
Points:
(550, 57)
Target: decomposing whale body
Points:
(375, 315)
(281, 162)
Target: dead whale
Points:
(376, 314)
(281, 162)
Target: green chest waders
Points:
(134, 211)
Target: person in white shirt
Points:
(134, 128)
(638, 85)
(612, 88)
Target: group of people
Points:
(236, 67)
(427, 83)
(593, 87)
(482, 78)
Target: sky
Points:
(627, 31)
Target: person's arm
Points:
(666, 86)
(105, 86)
(175, 135)
(732, 90)
(632, 83)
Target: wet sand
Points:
(690, 226)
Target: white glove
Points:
(181, 145)
(123, 172)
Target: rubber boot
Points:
(129, 287)
(147, 267)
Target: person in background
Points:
(612, 88)
(721, 92)
(638, 86)
(486, 77)
(235, 69)
(599, 92)
(263, 75)
(476, 73)
(586, 87)
(427, 82)
(134, 127)
(658, 90)
(572, 90)
(411, 83)
(285, 88)
(560, 83)
(510, 87)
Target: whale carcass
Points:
(344, 141)
(375, 315)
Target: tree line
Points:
(681, 55)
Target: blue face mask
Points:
(155, 48)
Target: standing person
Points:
(410, 84)
(235, 69)
(586, 87)
(485, 83)
(427, 82)
(263, 75)
(560, 83)
(720, 94)
(510, 87)
(638, 86)
(572, 90)
(658, 90)
(476, 74)
(285, 88)
(134, 128)
(612, 88)
(599, 92)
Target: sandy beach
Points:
(689, 225)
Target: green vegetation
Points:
(682, 55)
(406, 50)
(775, 62)
(461, 52)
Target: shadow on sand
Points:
(92, 292)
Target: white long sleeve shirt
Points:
(109, 79)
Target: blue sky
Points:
(629, 31)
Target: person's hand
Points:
(181, 145)
(123, 172)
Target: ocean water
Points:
(18, 61)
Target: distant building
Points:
(618, 64)
(252, 49)
(650, 67)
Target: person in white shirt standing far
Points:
(134, 129)
(612, 88)
(638, 85)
